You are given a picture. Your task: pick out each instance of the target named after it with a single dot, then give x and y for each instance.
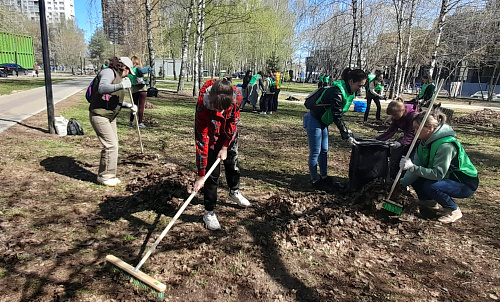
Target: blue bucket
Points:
(359, 106)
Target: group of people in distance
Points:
(439, 171)
(268, 84)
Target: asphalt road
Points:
(16, 107)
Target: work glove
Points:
(351, 141)
(132, 107)
(406, 164)
(126, 83)
(395, 145)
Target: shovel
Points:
(392, 206)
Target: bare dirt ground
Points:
(293, 244)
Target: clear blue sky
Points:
(88, 16)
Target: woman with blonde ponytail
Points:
(441, 168)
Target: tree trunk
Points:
(439, 31)
(184, 51)
(354, 29)
(408, 44)
(173, 64)
(215, 54)
(151, 51)
(202, 43)
(197, 45)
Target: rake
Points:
(140, 278)
(136, 121)
(388, 204)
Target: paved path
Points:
(19, 106)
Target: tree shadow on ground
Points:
(69, 167)
(26, 125)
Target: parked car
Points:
(480, 94)
(443, 92)
(11, 68)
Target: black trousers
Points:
(376, 100)
(274, 105)
(232, 170)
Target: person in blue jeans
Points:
(441, 168)
(334, 103)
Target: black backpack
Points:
(314, 98)
(74, 127)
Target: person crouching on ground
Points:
(442, 169)
(335, 102)
(402, 118)
(104, 107)
(216, 134)
(139, 90)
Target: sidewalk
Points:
(16, 107)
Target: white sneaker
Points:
(263, 112)
(108, 182)
(451, 217)
(141, 125)
(211, 221)
(238, 198)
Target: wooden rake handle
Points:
(414, 141)
(165, 231)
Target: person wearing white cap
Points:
(106, 102)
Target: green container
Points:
(12, 44)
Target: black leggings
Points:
(376, 100)
(231, 168)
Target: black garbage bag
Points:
(369, 161)
(152, 92)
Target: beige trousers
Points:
(107, 134)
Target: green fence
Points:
(20, 45)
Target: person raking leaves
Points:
(216, 135)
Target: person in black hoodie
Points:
(334, 103)
(244, 87)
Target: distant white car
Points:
(480, 94)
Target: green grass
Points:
(7, 86)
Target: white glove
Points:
(133, 109)
(351, 141)
(406, 164)
(395, 145)
(126, 83)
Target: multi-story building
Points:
(117, 19)
(55, 10)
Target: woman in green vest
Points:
(108, 94)
(441, 168)
(427, 91)
(139, 90)
(335, 101)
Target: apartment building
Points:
(55, 10)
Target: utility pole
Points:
(46, 67)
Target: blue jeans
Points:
(441, 191)
(318, 146)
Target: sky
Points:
(88, 16)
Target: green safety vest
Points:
(320, 79)
(424, 87)
(465, 166)
(346, 98)
(254, 79)
(326, 79)
(379, 86)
